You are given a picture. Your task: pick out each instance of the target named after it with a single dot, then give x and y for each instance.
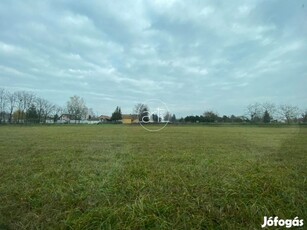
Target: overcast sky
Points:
(193, 55)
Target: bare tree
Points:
(142, 111)
(40, 107)
(3, 101)
(12, 101)
(76, 107)
(28, 99)
(255, 112)
(19, 105)
(289, 113)
(49, 108)
(44, 109)
(24, 101)
(137, 108)
(59, 110)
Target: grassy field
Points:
(123, 177)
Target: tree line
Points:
(26, 107)
(255, 113)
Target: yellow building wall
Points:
(126, 121)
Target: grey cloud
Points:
(193, 55)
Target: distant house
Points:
(49, 120)
(91, 121)
(130, 119)
(66, 118)
(104, 118)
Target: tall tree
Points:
(55, 118)
(304, 117)
(32, 115)
(266, 117)
(270, 108)
(167, 116)
(142, 111)
(59, 110)
(40, 108)
(3, 101)
(24, 101)
(210, 116)
(117, 114)
(76, 108)
(50, 109)
(289, 113)
(44, 109)
(173, 118)
(225, 119)
(255, 112)
(12, 100)
(156, 117)
(19, 116)
(19, 105)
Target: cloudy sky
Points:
(193, 55)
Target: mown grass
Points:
(123, 177)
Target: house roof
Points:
(70, 116)
(104, 117)
(65, 114)
(130, 116)
(94, 119)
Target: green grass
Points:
(123, 177)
